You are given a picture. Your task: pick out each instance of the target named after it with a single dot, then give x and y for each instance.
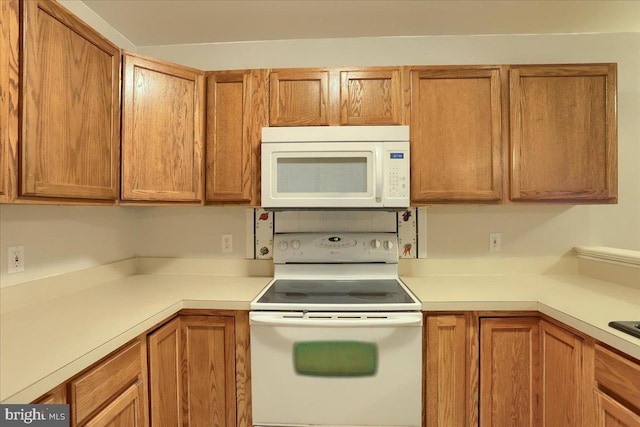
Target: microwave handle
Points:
(378, 171)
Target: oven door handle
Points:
(268, 320)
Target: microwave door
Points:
(320, 177)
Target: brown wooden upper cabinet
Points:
(336, 96)
(456, 134)
(563, 133)
(70, 84)
(236, 112)
(8, 96)
(162, 131)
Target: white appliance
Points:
(335, 167)
(336, 337)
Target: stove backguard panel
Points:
(410, 226)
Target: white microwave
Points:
(360, 167)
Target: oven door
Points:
(338, 369)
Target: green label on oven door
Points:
(335, 358)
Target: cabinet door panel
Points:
(126, 410)
(562, 379)
(450, 368)
(563, 132)
(456, 135)
(612, 414)
(299, 98)
(8, 99)
(508, 365)
(71, 114)
(162, 131)
(230, 173)
(370, 97)
(210, 360)
(165, 375)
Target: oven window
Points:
(322, 175)
(335, 358)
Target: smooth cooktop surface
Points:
(370, 291)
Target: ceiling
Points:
(165, 22)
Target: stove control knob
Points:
(295, 244)
(375, 244)
(388, 244)
(283, 245)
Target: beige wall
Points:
(59, 239)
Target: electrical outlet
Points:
(495, 242)
(15, 262)
(227, 243)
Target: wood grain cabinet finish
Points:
(451, 371)
(299, 97)
(193, 372)
(563, 133)
(508, 371)
(610, 413)
(335, 96)
(55, 397)
(371, 97)
(162, 125)
(70, 84)
(456, 134)
(8, 98)
(166, 375)
(126, 410)
(563, 378)
(236, 112)
(617, 388)
(113, 392)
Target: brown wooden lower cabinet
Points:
(193, 378)
(610, 413)
(450, 370)
(562, 378)
(617, 389)
(508, 380)
(113, 392)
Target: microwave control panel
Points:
(397, 179)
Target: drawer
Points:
(108, 379)
(618, 375)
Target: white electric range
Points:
(336, 337)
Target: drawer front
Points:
(618, 375)
(108, 379)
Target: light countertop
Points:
(46, 343)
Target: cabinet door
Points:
(370, 97)
(126, 410)
(299, 98)
(210, 360)
(71, 106)
(612, 414)
(562, 381)
(162, 145)
(563, 132)
(103, 384)
(451, 369)
(235, 114)
(8, 99)
(165, 375)
(456, 135)
(508, 365)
